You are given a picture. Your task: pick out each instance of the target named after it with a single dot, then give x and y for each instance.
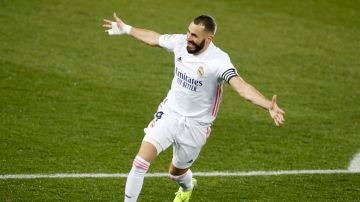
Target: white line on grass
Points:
(354, 167)
(206, 174)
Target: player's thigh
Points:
(159, 132)
(188, 146)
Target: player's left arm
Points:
(251, 94)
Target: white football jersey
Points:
(197, 85)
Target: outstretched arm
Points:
(248, 92)
(119, 27)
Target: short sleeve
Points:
(170, 41)
(226, 69)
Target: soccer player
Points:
(184, 118)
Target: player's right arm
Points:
(251, 94)
(119, 27)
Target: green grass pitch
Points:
(74, 100)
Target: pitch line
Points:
(202, 174)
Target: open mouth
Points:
(192, 44)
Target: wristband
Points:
(126, 28)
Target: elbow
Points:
(154, 39)
(153, 43)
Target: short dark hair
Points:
(207, 21)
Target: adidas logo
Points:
(179, 59)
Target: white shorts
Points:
(186, 135)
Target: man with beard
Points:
(185, 116)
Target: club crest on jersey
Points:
(200, 71)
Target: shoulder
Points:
(173, 38)
(171, 42)
(219, 56)
(221, 63)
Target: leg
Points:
(158, 137)
(134, 182)
(186, 150)
(147, 151)
(182, 176)
(177, 171)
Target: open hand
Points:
(116, 28)
(276, 113)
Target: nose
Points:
(188, 37)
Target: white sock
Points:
(135, 179)
(183, 180)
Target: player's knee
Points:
(176, 176)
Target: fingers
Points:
(107, 24)
(278, 110)
(273, 102)
(276, 122)
(282, 119)
(279, 119)
(113, 28)
(277, 116)
(276, 113)
(116, 17)
(281, 111)
(106, 21)
(274, 98)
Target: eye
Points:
(194, 35)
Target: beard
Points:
(196, 47)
